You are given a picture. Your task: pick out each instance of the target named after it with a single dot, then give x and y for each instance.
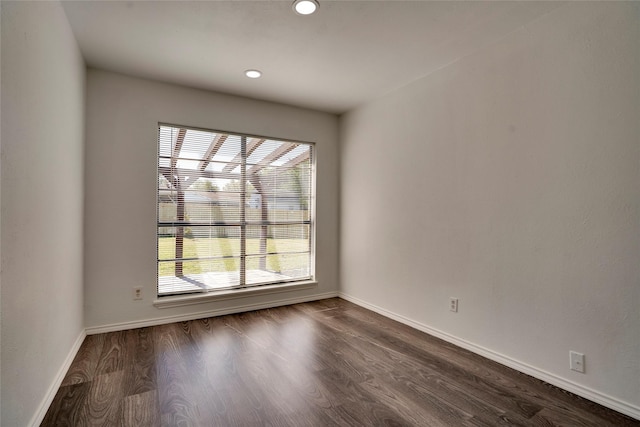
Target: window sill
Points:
(191, 299)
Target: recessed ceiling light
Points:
(253, 74)
(305, 7)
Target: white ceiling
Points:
(347, 53)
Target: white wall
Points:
(43, 78)
(120, 209)
(510, 179)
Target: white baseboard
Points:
(55, 385)
(204, 314)
(586, 392)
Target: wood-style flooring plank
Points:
(66, 407)
(104, 402)
(141, 410)
(115, 353)
(141, 368)
(175, 375)
(85, 363)
(324, 363)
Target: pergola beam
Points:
(272, 157)
(215, 145)
(177, 146)
(193, 174)
(237, 160)
(297, 160)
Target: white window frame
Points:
(242, 289)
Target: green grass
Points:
(216, 247)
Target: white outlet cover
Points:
(453, 304)
(576, 361)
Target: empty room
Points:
(320, 212)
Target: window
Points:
(233, 210)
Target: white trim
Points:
(204, 314)
(201, 298)
(55, 385)
(586, 392)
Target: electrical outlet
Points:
(453, 304)
(137, 293)
(576, 361)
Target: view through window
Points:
(233, 210)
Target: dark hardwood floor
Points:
(323, 363)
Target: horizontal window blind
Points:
(233, 210)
